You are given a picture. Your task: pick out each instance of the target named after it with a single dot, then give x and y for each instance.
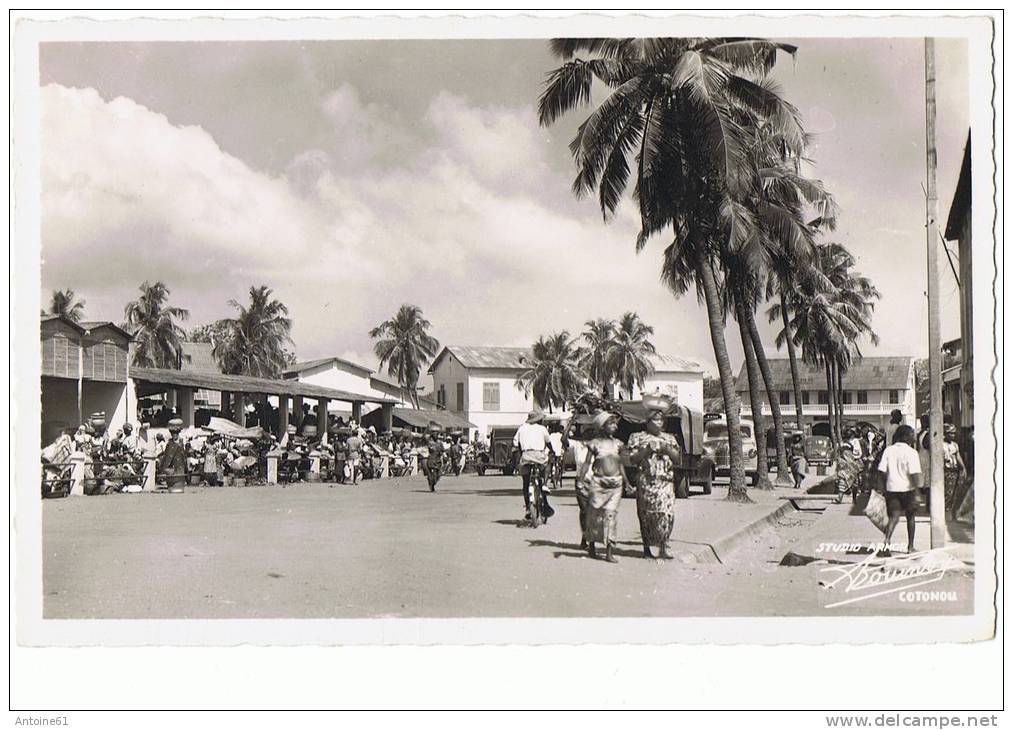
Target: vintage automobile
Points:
(715, 446)
(818, 451)
(500, 452)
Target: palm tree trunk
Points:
(793, 361)
(756, 406)
(783, 474)
(737, 474)
(830, 401)
(840, 402)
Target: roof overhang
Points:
(247, 384)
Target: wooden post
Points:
(184, 396)
(936, 494)
(282, 415)
(322, 419)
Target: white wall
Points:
(341, 378)
(688, 387)
(514, 406)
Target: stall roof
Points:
(422, 418)
(247, 384)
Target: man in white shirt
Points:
(532, 440)
(903, 475)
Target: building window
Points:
(863, 397)
(805, 397)
(895, 396)
(846, 397)
(460, 396)
(490, 396)
(441, 396)
(783, 398)
(822, 397)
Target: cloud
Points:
(474, 228)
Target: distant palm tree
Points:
(253, 343)
(157, 336)
(552, 375)
(629, 358)
(404, 345)
(63, 303)
(829, 314)
(598, 338)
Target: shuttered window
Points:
(60, 356)
(490, 396)
(460, 397)
(105, 361)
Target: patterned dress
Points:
(604, 495)
(655, 488)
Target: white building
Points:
(872, 388)
(676, 377)
(341, 374)
(480, 383)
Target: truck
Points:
(500, 452)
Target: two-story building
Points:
(872, 388)
(84, 370)
(480, 383)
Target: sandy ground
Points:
(393, 549)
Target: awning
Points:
(230, 428)
(422, 418)
(247, 384)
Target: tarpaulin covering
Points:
(232, 429)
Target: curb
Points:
(713, 552)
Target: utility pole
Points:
(936, 495)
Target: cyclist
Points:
(532, 440)
(555, 480)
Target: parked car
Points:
(500, 453)
(819, 451)
(715, 446)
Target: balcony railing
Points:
(821, 410)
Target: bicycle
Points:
(536, 482)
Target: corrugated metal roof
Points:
(246, 384)
(198, 357)
(94, 325)
(869, 373)
(673, 363)
(422, 418)
(488, 358)
(301, 367)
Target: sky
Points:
(353, 176)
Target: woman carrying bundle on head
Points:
(656, 455)
(604, 461)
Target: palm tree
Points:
(404, 344)
(685, 110)
(157, 335)
(253, 342)
(776, 205)
(552, 373)
(830, 313)
(598, 337)
(629, 358)
(63, 303)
